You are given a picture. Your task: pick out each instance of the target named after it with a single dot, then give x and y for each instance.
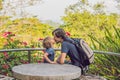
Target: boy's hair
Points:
(46, 42)
(59, 32)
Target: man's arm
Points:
(61, 58)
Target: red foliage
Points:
(24, 62)
(40, 39)
(24, 43)
(11, 39)
(68, 33)
(39, 61)
(6, 34)
(5, 66)
(6, 54)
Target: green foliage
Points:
(102, 36)
(21, 33)
(99, 8)
(26, 29)
(108, 66)
(10, 59)
(82, 24)
(1, 4)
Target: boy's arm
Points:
(61, 58)
(47, 59)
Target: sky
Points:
(50, 9)
(54, 9)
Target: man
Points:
(67, 48)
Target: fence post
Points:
(29, 56)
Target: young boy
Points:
(48, 44)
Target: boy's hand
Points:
(53, 62)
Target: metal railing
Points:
(56, 49)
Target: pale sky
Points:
(54, 9)
(50, 9)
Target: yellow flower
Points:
(35, 54)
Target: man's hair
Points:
(59, 32)
(46, 42)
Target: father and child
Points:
(67, 49)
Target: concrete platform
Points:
(46, 71)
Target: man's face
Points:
(57, 40)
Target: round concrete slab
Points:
(44, 71)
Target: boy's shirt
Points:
(51, 54)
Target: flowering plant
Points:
(10, 59)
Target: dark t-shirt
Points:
(71, 51)
(51, 54)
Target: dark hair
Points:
(59, 32)
(46, 42)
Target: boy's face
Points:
(52, 41)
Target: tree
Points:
(85, 5)
(81, 5)
(17, 7)
(0, 4)
(98, 8)
(118, 4)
